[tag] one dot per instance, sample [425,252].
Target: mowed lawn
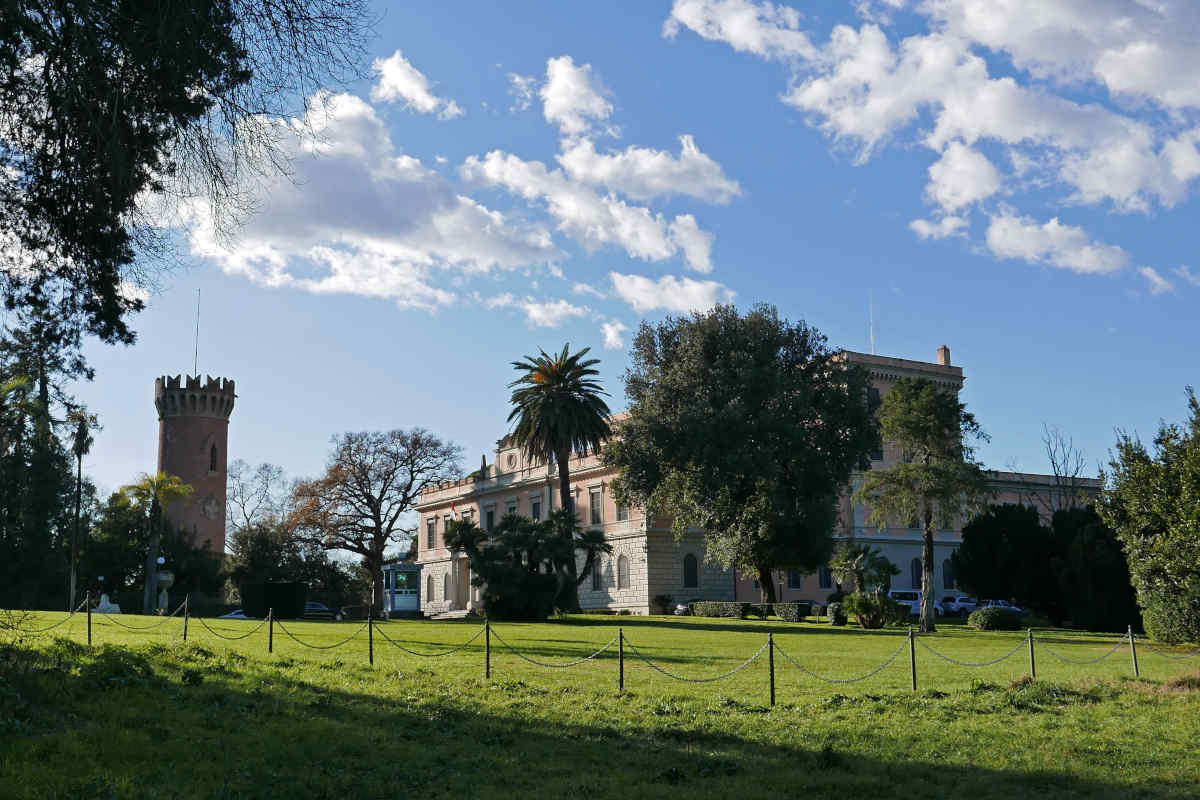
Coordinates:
[143,714]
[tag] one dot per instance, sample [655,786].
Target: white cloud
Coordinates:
[614,338]
[571,98]
[584,288]
[938,229]
[1158,284]
[523,88]
[505,300]
[550,314]
[764,29]
[1063,246]
[356,217]
[1188,275]
[961,177]
[592,219]
[669,293]
[642,173]
[401,81]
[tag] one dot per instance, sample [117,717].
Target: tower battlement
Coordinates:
[187,395]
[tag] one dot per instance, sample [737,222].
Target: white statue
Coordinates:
[106,606]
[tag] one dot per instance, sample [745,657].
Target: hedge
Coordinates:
[792,612]
[287,599]
[994,619]
[714,608]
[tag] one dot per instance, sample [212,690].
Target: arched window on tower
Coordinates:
[212,459]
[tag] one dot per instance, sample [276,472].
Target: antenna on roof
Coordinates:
[196,352]
[871,317]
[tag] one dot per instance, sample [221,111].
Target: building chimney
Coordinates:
[943,357]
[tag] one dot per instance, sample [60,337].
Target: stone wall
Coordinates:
[635,598]
[666,569]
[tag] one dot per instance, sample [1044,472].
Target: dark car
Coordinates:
[315,610]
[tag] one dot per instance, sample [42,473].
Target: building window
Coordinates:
[430,534]
[212,459]
[691,572]
[535,509]
[446,587]
[596,568]
[825,578]
[622,572]
[446,520]
[595,501]
[428,588]
[622,513]
[510,508]
[795,580]
[947,574]
[489,519]
[914,570]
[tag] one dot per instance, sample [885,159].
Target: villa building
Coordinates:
[647,560]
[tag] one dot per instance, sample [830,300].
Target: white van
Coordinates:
[912,599]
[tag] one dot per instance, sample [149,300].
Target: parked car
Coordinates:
[958,605]
[1003,605]
[912,599]
[315,610]
[235,614]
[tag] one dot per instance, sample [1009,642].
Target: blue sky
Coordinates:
[1014,180]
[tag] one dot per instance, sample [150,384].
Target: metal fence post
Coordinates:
[620,660]
[1133,652]
[487,649]
[771,663]
[186,609]
[89,615]
[912,658]
[270,630]
[371,637]
[1032,663]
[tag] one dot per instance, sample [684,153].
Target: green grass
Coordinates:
[144,715]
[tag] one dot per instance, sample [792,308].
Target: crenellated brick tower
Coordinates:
[193,437]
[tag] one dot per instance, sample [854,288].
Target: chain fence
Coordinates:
[372,626]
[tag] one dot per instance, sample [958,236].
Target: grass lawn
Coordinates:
[144,715]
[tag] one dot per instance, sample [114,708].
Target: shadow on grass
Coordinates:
[180,722]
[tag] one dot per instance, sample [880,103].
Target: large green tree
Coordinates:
[747,427]
[1093,576]
[1007,553]
[558,408]
[153,495]
[937,481]
[1151,499]
[862,566]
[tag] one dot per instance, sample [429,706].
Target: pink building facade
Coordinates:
[647,560]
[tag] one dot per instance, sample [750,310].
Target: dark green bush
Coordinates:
[836,596]
[760,610]
[994,619]
[875,609]
[792,612]
[715,608]
[285,599]
[836,613]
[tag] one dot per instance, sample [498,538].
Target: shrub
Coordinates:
[760,610]
[994,619]
[287,599]
[664,602]
[875,609]
[713,608]
[792,612]
[836,613]
[1033,619]
[836,596]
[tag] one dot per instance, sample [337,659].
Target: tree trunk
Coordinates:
[149,599]
[928,624]
[766,585]
[569,591]
[75,533]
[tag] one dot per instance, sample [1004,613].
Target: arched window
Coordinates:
[428,588]
[446,587]
[947,574]
[596,568]
[914,570]
[622,572]
[691,572]
[212,459]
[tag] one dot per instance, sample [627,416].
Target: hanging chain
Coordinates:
[945,657]
[38,631]
[292,636]
[537,663]
[462,646]
[873,672]
[256,629]
[111,619]
[659,669]
[1066,660]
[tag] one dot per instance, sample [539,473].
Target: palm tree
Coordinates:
[558,407]
[155,493]
[83,424]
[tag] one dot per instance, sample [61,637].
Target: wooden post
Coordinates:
[1032,663]
[620,660]
[89,613]
[912,658]
[487,649]
[186,597]
[371,637]
[771,663]
[1133,652]
[270,630]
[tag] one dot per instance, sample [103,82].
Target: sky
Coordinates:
[1012,178]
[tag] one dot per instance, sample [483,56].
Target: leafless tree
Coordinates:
[1067,465]
[363,502]
[254,495]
